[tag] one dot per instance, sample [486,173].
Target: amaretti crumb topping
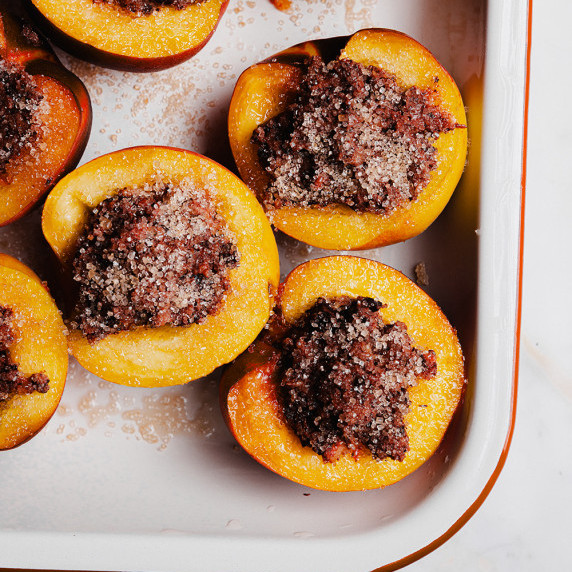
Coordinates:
[146,7]
[12,380]
[19,102]
[351,136]
[152,255]
[344,378]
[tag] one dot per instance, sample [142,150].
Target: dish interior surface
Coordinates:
[141,468]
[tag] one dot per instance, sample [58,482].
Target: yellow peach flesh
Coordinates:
[30,174]
[265,90]
[170,355]
[40,347]
[161,34]
[252,411]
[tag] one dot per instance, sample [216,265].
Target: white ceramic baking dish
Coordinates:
[125,479]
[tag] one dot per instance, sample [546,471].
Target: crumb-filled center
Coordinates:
[344,378]
[152,255]
[19,102]
[351,136]
[147,7]
[12,380]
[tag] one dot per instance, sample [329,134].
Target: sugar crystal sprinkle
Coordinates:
[351,136]
[12,380]
[146,7]
[344,378]
[152,255]
[19,102]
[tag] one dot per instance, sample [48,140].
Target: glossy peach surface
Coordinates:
[64,117]
[40,347]
[248,393]
[103,34]
[170,355]
[265,89]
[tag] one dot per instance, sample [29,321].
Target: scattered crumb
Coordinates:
[421,276]
[282,5]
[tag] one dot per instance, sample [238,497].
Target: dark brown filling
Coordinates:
[152,256]
[146,7]
[12,381]
[19,101]
[345,376]
[351,136]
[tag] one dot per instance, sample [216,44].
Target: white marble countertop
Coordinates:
[524,525]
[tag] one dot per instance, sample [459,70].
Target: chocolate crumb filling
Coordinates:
[19,101]
[12,381]
[351,136]
[152,255]
[344,378]
[146,7]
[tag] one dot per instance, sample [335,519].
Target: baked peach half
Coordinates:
[170,262]
[140,35]
[33,354]
[354,383]
[46,118]
[350,143]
